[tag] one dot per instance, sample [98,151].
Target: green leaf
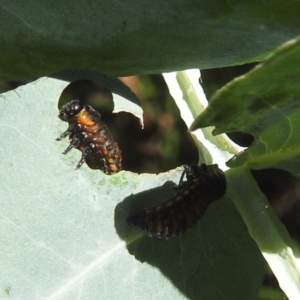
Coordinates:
[264,103]
[63,231]
[117,38]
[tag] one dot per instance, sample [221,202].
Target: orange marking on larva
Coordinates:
[179,199]
[110,160]
[159,226]
[99,140]
[158,208]
[169,204]
[186,193]
[84,118]
[113,168]
[192,187]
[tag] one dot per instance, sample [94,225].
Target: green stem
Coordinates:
[197,104]
[185,88]
[264,227]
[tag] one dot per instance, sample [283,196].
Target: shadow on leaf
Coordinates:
[205,261]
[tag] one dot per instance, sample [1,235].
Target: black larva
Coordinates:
[204,184]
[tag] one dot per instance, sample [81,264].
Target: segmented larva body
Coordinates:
[204,184]
[90,135]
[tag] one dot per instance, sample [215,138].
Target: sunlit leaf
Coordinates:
[64,233]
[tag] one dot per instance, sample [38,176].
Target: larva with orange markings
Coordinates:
[90,135]
[204,184]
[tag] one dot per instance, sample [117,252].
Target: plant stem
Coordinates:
[264,227]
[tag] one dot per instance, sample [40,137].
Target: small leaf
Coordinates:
[264,103]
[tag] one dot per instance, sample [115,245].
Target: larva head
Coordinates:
[70,110]
[217,180]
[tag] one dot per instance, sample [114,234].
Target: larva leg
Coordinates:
[74,144]
[63,135]
[66,133]
[181,184]
[86,151]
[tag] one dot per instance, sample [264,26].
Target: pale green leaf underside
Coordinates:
[58,226]
[121,38]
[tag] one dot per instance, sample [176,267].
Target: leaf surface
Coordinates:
[64,233]
[265,103]
[118,38]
